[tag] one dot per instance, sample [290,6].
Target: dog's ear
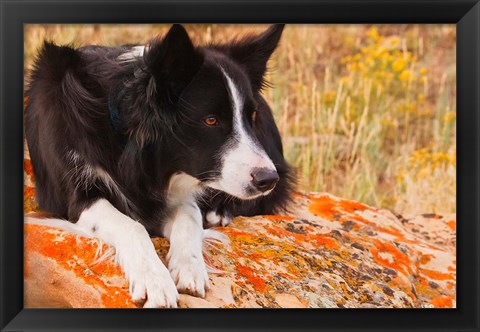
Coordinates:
[173,60]
[253,53]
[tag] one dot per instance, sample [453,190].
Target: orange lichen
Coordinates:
[421,280]
[117,298]
[286,275]
[327,242]
[443,301]
[250,276]
[437,275]
[323,206]
[28,191]
[399,236]
[338,210]
[344,288]
[255,255]
[269,253]
[302,239]
[356,227]
[452,224]
[27,167]
[362,220]
[399,261]
[425,291]
[392,231]
[425,258]
[280,232]
[293,270]
[65,250]
[352,206]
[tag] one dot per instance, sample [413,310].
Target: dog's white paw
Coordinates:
[215,219]
[189,272]
[153,283]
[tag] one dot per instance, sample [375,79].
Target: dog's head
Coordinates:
[213,95]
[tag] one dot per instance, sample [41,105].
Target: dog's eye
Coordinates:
[211,121]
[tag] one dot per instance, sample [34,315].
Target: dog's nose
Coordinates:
[264,179]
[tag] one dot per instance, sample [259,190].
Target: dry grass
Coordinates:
[367,113]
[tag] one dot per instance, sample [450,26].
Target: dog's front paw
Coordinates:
[189,273]
[153,282]
[213,218]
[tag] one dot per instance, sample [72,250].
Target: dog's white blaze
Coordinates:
[182,188]
[132,54]
[242,155]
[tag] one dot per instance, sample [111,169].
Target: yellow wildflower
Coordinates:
[411,108]
[405,75]
[369,60]
[352,66]
[423,173]
[427,112]
[362,67]
[350,41]
[449,117]
[401,177]
[394,41]
[373,33]
[330,96]
[398,65]
[346,59]
[344,79]
[380,51]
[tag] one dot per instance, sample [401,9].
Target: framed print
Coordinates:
[240,166]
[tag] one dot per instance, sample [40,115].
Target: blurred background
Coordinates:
[366,112]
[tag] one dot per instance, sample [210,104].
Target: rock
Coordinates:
[289,301]
[329,253]
[60,271]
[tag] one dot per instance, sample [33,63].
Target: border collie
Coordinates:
[164,139]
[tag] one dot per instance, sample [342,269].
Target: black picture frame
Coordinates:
[464,13]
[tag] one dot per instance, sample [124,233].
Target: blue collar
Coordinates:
[113,110]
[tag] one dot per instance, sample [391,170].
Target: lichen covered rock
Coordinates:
[329,253]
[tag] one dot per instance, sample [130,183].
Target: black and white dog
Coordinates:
[161,139]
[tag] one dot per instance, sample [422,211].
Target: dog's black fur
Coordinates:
[140,122]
